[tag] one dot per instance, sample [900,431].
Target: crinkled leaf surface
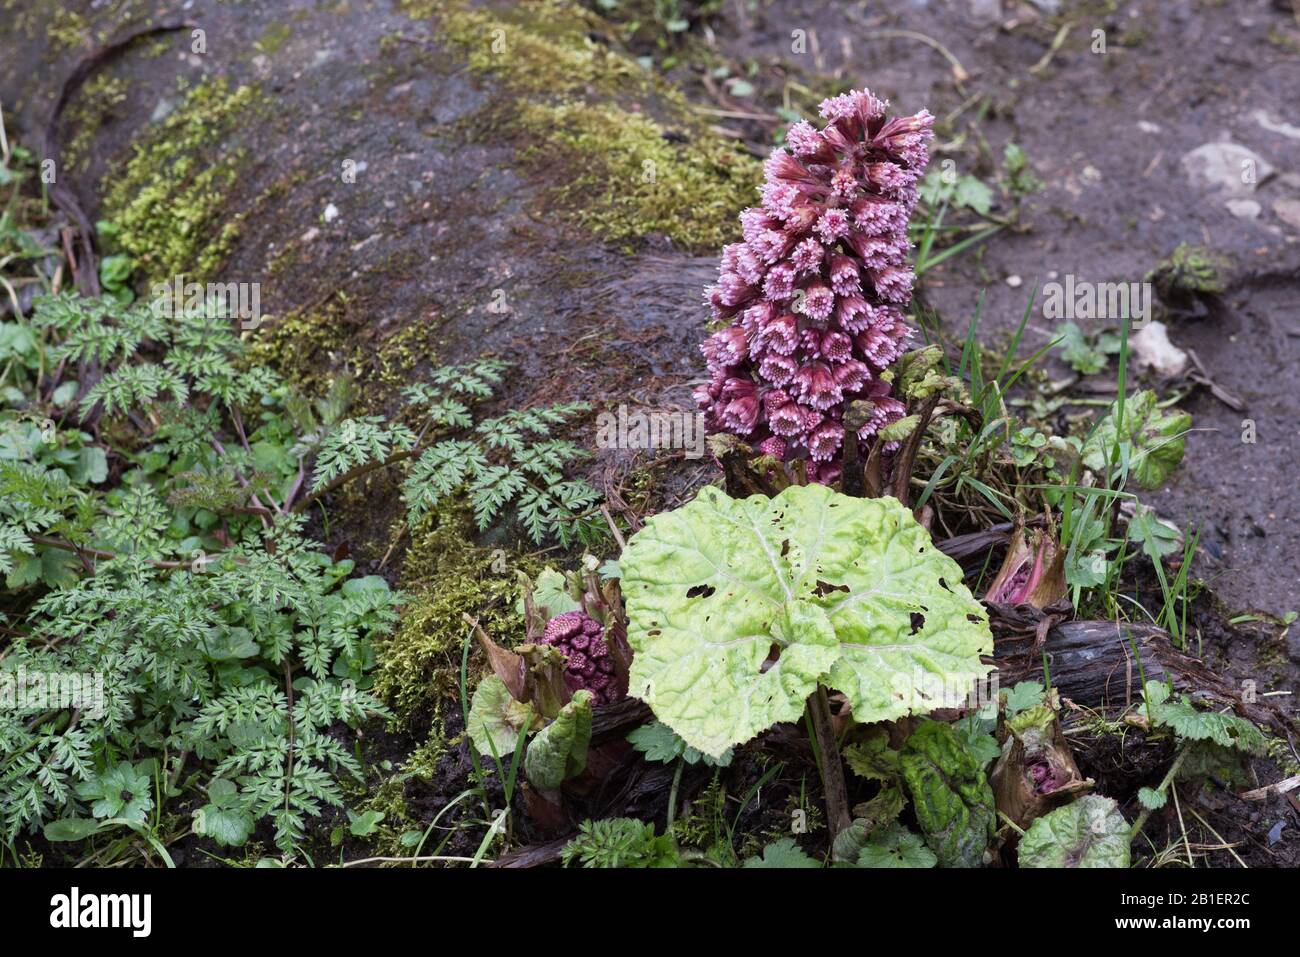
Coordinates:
[850,591]
[1155,439]
[495,718]
[559,751]
[950,793]
[1090,832]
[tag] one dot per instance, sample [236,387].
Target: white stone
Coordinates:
[1244,208]
[1225,167]
[1288,210]
[1151,349]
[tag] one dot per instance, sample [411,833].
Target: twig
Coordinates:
[1281,787]
[609,519]
[959,74]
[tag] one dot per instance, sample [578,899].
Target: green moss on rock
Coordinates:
[447,576]
[625,154]
[627,179]
[170,199]
[95,103]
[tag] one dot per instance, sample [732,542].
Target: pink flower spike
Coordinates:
[813,297]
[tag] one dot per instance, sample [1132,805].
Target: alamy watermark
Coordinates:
[651,429]
[1079,299]
[37,691]
[228,300]
[924,691]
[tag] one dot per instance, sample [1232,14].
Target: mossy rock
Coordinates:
[169,200]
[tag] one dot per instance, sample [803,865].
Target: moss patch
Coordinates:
[96,102]
[447,576]
[303,345]
[582,113]
[68,29]
[629,179]
[170,198]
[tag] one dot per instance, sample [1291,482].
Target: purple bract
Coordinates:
[582,641]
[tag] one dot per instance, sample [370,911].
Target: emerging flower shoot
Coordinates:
[815,293]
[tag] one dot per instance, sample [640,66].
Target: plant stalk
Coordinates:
[832,768]
[1164,787]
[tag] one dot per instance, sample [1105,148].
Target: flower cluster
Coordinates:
[815,292]
[582,641]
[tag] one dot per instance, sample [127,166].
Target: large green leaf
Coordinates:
[560,749]
[1089,832]
[1152,439]
[850,591]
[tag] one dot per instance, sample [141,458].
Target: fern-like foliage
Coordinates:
[356,442]
[619,842]
[511,459]
[199,346]
[199,659]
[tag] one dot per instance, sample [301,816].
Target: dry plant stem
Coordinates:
[837,795]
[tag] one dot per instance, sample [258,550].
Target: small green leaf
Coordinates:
[365,824]
[1151,799]
[71,829]
[1157,538]
[895,846]
[1154,439]
[782,853]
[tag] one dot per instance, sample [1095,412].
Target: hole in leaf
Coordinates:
[700,591]
[973,619]
[825,588]
[785,547]
[918,621]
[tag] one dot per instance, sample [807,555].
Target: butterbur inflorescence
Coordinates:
[582,641]
[815,292]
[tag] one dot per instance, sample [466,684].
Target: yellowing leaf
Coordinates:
[849,592]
